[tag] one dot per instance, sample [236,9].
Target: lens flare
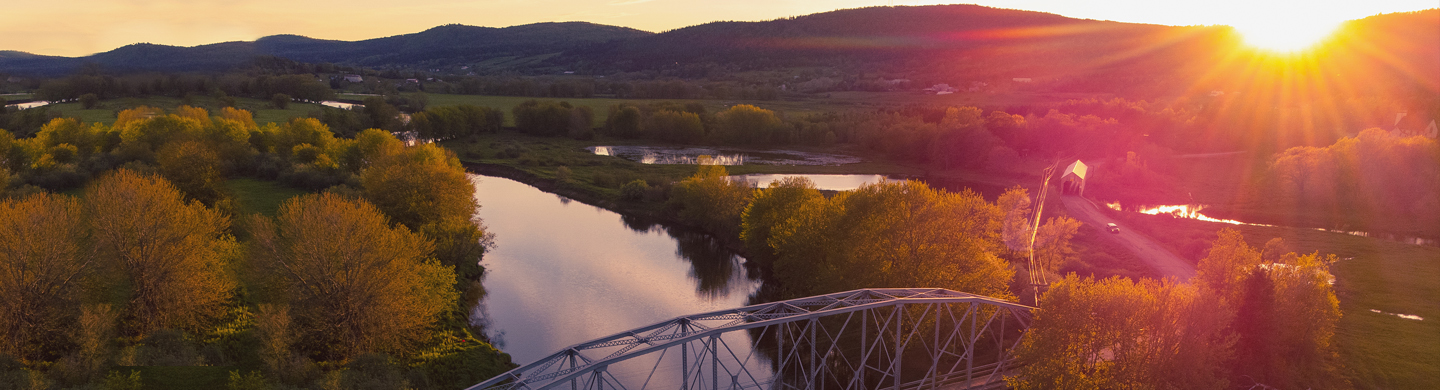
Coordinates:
[1286,35]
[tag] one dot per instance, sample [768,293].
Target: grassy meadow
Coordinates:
[813,104]
[262,197]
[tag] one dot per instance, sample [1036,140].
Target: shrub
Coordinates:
[634,190]
[89,100]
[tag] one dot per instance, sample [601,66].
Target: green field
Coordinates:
[107,110]
[260,196]
[830,102]
[1381,351]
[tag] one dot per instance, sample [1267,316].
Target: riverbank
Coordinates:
[641,212]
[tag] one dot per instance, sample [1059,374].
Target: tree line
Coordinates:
[888,234]
[152,264]
[1374,180]
[1252,317]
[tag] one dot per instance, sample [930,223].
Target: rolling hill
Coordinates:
[946,43]
[443,44]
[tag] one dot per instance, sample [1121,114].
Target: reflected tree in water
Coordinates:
[715,269]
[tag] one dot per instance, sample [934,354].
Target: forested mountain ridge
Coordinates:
[440,45]
[964,45]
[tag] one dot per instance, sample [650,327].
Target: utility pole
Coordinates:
[1037,274]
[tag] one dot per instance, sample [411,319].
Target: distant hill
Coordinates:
[954,42]
[439,45]
[946,43]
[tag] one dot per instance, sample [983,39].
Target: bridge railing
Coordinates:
[902,339]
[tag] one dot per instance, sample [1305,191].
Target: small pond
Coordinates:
[717,156]
[26,105]
[340,105]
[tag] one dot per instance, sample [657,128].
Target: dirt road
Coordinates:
[1164,262]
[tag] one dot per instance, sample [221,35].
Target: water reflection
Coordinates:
[689,155]
[26,105]
[715,269]
[1193,212]
[561,274]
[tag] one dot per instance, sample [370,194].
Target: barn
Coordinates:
[1072,181]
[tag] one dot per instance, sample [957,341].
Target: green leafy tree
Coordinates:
[675,126]
[771,207]
[89,101]
[711,200]
[623,122]
[892,234]
[747,124]
[546,118]
[280,101]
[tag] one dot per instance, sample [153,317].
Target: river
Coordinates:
[563,272]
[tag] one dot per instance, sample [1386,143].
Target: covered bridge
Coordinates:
[1072,181]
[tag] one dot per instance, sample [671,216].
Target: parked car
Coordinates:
[1111,227]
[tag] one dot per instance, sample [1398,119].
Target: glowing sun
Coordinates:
[1286,35]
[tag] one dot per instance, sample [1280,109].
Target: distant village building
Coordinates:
[1021,79]
[941,89]
[1216,93]
[354,78]
[1412,125]
[1072,182]
[412,81]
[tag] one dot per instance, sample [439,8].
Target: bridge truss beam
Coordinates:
[901,339]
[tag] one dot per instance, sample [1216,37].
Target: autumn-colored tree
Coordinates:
[1115,333]
[1052,243]
[86,139]
[242,117]
[444,211]
[1229,260]
[1288,314]
[770,207]
[394,182]
[166,254]
[300,131]
[194,169]
[42,261]
[1015,226]
[354,283]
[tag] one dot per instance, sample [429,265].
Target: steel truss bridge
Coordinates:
[901,339]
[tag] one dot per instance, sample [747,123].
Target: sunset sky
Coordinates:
[82,27]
